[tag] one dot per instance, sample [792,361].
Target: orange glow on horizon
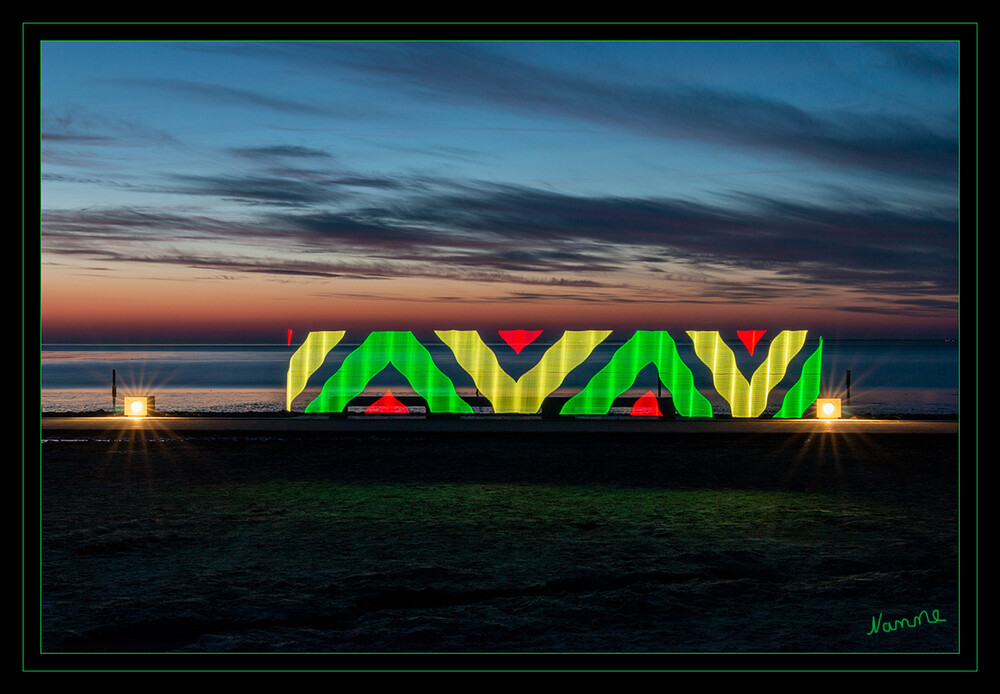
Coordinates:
[189,306]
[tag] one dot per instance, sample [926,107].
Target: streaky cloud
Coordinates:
[218,93]
[279,151]
[919,60]
[474,73]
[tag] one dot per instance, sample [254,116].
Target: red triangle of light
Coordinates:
[750,338]
[519,339]
[647,406]
[387,404]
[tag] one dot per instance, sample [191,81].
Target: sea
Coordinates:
[872,377]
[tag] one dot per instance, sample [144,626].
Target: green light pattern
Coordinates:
[805,391]
[379,350]
[307,358]
[746,399]
[643,348]
[525,395]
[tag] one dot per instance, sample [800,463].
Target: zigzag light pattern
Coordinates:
[746,399]
[644,347]
[525,395]
[379,350]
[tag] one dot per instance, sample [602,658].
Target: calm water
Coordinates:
[892,376]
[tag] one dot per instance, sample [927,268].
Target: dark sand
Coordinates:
[633,547]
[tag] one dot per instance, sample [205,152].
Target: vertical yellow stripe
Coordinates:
[307,359]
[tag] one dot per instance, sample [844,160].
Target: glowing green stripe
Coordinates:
[643,348]
[379,350]
[805,391]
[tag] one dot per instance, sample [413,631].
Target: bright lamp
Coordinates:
[138,405]
[828,408]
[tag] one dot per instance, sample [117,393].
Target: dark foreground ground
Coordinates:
[642,551]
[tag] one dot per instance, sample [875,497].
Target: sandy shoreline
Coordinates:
[895,464]
[528,425]
[164,539]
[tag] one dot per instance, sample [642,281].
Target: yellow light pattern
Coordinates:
[525,395]
[307,358]
[746,399]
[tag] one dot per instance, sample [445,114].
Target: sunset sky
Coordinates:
[227,191]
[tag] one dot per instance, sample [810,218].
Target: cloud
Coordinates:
[468,73]
[79,126]
[916,308]
[217,93]
[814,240]
[77,138]
[257,189]
[279,152]
[920,60]
[514,234]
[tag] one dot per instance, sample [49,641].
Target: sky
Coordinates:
[197,191]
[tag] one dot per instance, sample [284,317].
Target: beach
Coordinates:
[160,539]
